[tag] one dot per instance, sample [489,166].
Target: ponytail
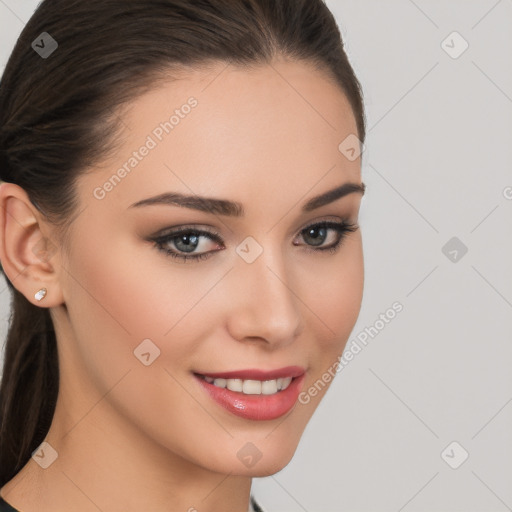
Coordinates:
[29,386]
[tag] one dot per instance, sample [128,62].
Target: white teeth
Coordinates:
[221,383]
[268,387]
[235,385]
[286,382]
[251,387]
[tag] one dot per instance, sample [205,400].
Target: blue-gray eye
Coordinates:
[186,240]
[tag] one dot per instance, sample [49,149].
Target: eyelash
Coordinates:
[342,228]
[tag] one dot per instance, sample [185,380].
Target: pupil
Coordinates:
[316,240]
[190,241]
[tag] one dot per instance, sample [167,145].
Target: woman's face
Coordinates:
[138,324]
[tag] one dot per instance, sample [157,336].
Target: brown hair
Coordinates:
[57,118]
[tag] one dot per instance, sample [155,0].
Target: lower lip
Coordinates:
[255,407]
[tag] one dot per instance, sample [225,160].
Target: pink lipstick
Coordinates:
[254,394]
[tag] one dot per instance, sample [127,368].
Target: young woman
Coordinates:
[179,231]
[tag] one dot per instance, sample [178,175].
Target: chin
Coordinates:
[270,467]
[268,457]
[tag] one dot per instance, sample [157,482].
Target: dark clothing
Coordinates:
[5,507]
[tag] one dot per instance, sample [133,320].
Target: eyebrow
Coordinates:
[235,209]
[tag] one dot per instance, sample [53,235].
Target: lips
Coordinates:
[254,394]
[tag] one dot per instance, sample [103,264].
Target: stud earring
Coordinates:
[40,294]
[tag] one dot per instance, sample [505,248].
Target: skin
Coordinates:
[131,437]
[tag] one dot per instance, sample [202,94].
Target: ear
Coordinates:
[27,253]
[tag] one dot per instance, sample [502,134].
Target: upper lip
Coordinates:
[256,374]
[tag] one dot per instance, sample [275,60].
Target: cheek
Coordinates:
[336,303]
[349,292]
[334,293]
[120,295]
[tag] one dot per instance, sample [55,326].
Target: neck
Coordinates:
[105,463]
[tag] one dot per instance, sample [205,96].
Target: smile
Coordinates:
[254,394]
[250,386]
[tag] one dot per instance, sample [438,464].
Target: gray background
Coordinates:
[437,165]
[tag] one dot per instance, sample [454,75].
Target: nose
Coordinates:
[263,304]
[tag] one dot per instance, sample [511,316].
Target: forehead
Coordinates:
[221,129]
